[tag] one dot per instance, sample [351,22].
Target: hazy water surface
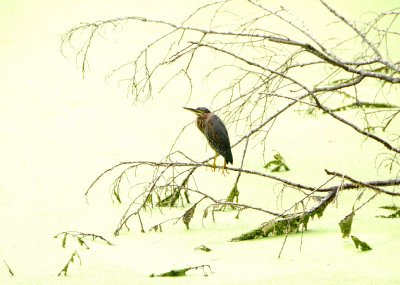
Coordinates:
[58,132]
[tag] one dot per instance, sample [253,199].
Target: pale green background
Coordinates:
[59,131]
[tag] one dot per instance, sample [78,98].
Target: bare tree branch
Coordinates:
[265,81]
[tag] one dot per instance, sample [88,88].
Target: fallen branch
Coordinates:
[290,223]
[182,272]
[8,268]
[375,183]
[80,237]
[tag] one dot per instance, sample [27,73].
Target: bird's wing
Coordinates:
[217,136]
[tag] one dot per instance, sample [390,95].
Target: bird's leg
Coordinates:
[224,168]
[215,161]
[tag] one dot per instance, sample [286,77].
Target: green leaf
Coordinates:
[203,248]
[395,214]
[170,200]
[393,208]
[81,242]
[345,225]
[186,193]
[154,228]
[64,240]
[278,164]
[172,273]
[181,272]
[115,188]
[234,194]
[270,163]
[358,243]
[391,216]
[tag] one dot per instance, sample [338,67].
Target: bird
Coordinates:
[216,133]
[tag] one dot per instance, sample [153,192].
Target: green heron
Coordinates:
[215,131]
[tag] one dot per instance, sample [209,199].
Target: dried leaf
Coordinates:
[155,228]
[187,217]
[205,214]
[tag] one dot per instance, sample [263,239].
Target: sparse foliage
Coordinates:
[82,240]
[72,259]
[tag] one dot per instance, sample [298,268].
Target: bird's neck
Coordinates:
[200,123]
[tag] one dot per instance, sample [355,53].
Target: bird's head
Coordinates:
[200,111]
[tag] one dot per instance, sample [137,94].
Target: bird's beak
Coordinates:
[192,110]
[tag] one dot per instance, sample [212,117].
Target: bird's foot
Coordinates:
[213,167]
[224,169]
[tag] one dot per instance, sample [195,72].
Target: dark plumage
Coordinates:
[215,131]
